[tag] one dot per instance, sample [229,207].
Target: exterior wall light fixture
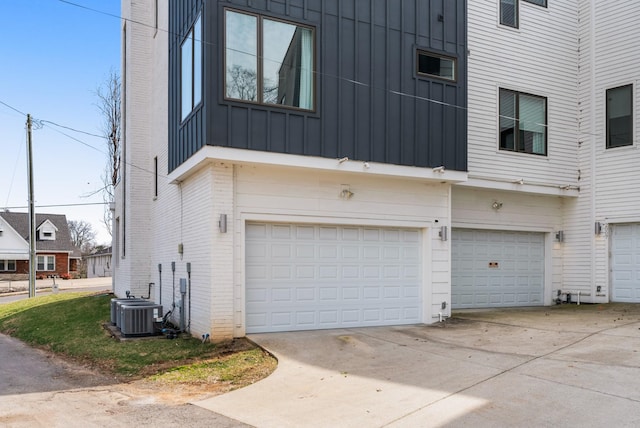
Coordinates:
[444,233]
[222,223]
[598,228]
[560,236]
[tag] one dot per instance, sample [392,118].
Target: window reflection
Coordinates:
[241,57]
[285,73]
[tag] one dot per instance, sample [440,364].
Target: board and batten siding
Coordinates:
[539,58]
[370,104]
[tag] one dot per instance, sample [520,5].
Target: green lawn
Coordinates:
[71,325]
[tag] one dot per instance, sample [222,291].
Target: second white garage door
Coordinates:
[494,268]
[306,277]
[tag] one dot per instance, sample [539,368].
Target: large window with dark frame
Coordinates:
[620,116]
[523,122]
[509,13]
[268,61]
[191,69]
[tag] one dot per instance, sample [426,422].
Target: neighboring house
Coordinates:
[99,263]
[338,164]
[54,252]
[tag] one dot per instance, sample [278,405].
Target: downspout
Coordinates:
[592,129]
[160,281]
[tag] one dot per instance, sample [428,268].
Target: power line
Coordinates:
[13,108]
[58,205]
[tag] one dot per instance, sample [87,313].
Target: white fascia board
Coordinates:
[522,186]
[251,157]
[13,255]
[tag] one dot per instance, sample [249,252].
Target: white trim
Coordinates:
[13,256]
[567,190]
[210,154]
[501,227]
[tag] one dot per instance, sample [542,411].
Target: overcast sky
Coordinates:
[54,57]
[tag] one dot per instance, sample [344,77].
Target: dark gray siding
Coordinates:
[370,103]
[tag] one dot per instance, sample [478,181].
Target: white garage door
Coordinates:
[625,263]
[306,277]
[493,268]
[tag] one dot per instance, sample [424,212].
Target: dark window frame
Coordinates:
[259,65]
[516,5]
[541,3]
[195,43]
[517,135]
[425,52]
[629,141]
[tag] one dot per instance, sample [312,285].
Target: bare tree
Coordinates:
[242,83]
[82,235]
[109,104]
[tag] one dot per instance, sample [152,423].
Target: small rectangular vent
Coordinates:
[138,320]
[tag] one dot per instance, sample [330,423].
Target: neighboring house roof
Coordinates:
[20,223]
[102,252]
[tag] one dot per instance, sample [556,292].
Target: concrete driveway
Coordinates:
[558,366]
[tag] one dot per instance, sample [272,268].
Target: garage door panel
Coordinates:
[316,276]
[496,268]
[303,251]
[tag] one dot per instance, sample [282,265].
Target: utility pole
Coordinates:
[32,216]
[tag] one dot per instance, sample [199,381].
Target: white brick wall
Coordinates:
[131,207]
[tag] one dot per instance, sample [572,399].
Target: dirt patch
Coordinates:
[149,384]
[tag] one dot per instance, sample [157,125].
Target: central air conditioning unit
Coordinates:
[139,320]
[115,307]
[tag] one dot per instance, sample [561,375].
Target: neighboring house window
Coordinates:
[538,2]
[439,66]
[191,62]
[46,263]
[268,61]
[509,13]
[47,232]
[523,122]
[620,116]
[7,265]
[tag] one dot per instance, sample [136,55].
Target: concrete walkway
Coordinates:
[562,366]
[63,284]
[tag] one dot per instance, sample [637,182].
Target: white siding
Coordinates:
[539,58]
[610,42]
[617,62]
